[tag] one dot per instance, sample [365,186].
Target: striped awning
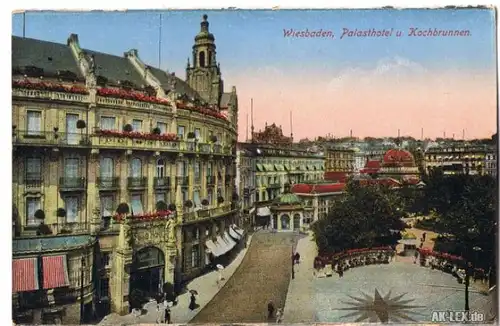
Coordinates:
[212,247]
[234,234]
[230,242]
[259,168]
[55,272]
[25,275]
[223,246]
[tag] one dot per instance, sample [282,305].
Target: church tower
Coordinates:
[204,75]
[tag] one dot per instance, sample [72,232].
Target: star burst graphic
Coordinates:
[381,309]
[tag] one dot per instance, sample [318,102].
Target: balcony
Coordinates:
[33,181]
[204,148]
[210,180]
[137,182]
[274,185]
[162,182]
[206,213]
[56,229]
[108,183]
[50,95]
[49,138]
[125,103]
[217,149]
[197,179]
[182,181]
[71,184]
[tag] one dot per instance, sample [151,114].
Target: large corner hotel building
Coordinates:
[122,173]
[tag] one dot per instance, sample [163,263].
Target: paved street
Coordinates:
[206,285]
[263,275]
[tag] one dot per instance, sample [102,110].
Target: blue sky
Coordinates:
[250,39]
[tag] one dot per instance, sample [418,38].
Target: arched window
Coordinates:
[160,168]
[209,58]
[201,59]
[136,168]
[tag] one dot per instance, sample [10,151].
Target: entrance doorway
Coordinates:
[146,278]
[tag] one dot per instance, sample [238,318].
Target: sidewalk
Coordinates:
[206,286]
[299,300]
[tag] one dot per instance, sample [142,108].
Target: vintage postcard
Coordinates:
[254,166]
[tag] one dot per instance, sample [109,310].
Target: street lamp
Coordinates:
[293,264]
[82,303]
[468,267]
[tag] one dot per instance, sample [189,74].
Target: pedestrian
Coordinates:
[158,314]
[270,309]
[297,258]
[279,315]
[416,256]
[166,316]
[424,235]
[192,304]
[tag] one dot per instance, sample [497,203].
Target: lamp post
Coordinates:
[82,303]
[293,264]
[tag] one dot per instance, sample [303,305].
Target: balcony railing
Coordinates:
[57,228]
[33,182]
[137,182]
[108,183]
[274,185]
[162,182]
[112,141]
[133,104]
[182,181]
[71,183]
[197,179]
[50,95]
[51,138]
[206,213]
[210,180]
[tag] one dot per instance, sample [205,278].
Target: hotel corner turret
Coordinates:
[123,176]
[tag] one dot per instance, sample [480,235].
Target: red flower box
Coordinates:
[136,135]
[130,95]
[44,86]
[203,110]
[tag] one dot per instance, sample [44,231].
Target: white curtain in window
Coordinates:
[106,167]
[196,198]
[108,123]
[136,203]
[194,256]
[136,168]
[197,169]
[184,196]
[180,169]
[32,205]
[162,126]
[72,131]
[180,132]
[71,209]
[34,122]
[71,167]
[106,206]
[137,125]
[209,196]
[197,134]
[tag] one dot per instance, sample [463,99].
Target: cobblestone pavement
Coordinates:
[263,275]
[206,286]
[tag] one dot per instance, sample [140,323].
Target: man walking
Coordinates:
[166,317]
[270,310]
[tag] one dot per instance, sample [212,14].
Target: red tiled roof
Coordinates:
[336,176]
[386,182]
[372,164]
[303,188]
[398,156]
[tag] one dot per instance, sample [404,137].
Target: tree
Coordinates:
[366,217]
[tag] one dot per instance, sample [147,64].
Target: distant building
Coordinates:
[318,198]
[245,182]
[287,212]
[339,164]
[400,165]
[465,159]
[490,163]
[272,134]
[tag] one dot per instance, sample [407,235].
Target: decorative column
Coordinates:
[150,174]
[122,259]
[93,199]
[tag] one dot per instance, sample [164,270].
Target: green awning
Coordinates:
[260,168]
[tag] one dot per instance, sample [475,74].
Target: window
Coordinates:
[136,203]
[196,198]
[137,125]
[135,168]
[32,205]
[180,132]
[71,205]
[210,196]
[202,59]
[160,168]
[106,168]
[71,166]
[197,171]
[195,256]
[197,134]
[162,126]
[106,206]
[34,119]
[33,169]
[184,196]
[104,289]
[108,123]
[196,234]
[209,169]
[105,259]
[160,196]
